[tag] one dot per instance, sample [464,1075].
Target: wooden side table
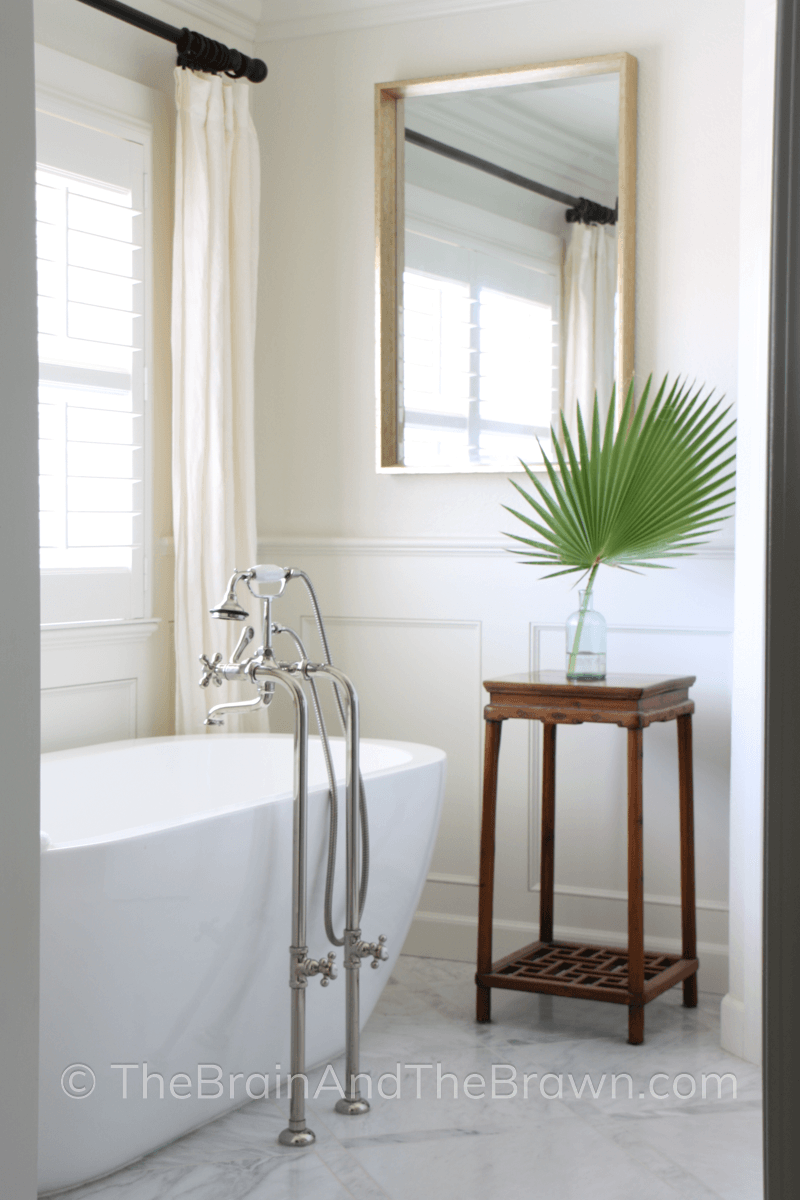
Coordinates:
[621,976]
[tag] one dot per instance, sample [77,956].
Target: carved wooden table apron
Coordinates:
[619,976]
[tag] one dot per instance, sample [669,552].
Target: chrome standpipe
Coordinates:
[352,1103]
[300,966]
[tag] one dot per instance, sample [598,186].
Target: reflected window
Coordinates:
[478,364]
[479,334]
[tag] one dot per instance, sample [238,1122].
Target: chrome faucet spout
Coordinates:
[216,714]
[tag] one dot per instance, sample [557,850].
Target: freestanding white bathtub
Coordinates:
[166,894]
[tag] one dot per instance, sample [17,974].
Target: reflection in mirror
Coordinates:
[506,296]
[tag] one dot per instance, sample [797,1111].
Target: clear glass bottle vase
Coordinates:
[586,641]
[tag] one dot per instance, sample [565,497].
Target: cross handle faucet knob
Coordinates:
[211,673]
[377,950]
[325,967]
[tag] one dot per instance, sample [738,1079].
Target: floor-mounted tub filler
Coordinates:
[173,869]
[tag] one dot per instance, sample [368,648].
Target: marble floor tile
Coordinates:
[234,1158]
[564,1160]
[718,1149]
[577,1133]
[242,1177]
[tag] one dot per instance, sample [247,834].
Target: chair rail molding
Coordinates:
[73,634]
[487,547]
[324,545]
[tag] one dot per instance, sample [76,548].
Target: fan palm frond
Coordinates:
[652,488]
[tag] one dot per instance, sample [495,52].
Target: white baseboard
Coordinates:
[443,935]
[735,1037]
[732,1025]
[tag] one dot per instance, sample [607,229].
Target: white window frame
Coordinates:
[79,92]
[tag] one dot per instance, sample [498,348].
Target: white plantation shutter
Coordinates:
[90,189]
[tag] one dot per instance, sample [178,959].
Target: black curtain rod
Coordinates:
[579,209]
[195,50]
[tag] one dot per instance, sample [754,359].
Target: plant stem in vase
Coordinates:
[586,638]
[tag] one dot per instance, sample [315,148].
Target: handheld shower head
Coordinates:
[230,609]
[267,573]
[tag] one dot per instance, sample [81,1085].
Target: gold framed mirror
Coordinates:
[505,258]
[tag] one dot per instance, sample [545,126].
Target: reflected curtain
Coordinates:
[215,259]
[590,285]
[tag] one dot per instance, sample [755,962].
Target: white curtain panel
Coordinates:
[215,260]
[590,285]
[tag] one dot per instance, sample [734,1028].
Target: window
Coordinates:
[480,345]
[90,202]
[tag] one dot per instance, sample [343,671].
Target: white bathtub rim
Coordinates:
[419,753]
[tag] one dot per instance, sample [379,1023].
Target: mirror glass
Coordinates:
[507,267]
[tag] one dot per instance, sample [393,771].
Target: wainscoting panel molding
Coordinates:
[96,633]
[274,548]
[402,698]
[705,653]
[108,709]
[419,623]
[84,666]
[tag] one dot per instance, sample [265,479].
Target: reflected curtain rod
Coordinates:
[195,50]
[579,209]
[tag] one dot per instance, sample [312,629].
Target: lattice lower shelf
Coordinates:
[579,970]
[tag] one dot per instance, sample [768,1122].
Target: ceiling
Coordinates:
[562,133]
[262,20]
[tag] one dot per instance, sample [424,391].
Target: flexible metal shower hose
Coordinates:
[333,823]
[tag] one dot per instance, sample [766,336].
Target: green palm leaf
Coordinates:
[648,488]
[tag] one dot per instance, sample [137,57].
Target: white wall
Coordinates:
[19,612]
[741,1008]
[425,604]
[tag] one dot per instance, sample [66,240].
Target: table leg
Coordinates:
[688,906]
[483,1001]
[547,851]
[635,891]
